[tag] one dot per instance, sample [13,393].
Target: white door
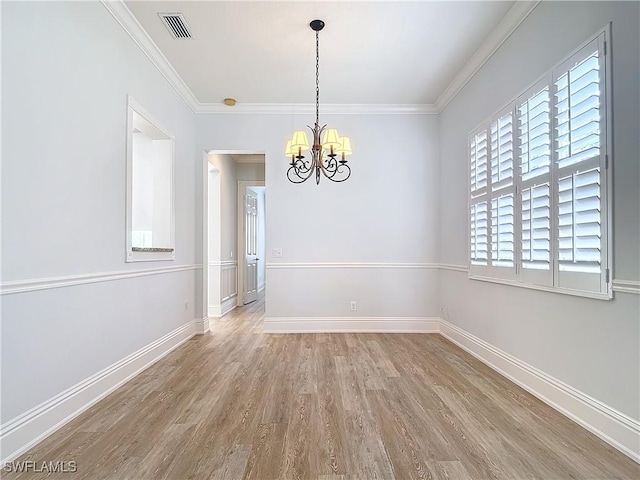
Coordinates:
[250,293]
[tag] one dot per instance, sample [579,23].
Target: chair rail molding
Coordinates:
[34,284]
[626,286]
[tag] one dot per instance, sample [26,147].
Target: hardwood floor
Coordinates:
[237,403]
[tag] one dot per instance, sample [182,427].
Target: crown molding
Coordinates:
[511,21]
[130,24]
[309,108]
[498,36]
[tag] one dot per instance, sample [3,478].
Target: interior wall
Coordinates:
[386,213]
[592,345]
[228,205]
[64,110]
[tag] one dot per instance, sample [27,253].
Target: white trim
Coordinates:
[350,324]
[276,266]
[201,325]
[493,42]
[543,288]
[619,286]
[228,304]
[224,263]
[26,430]
[130,24]
[626,286]
[498,36]
[308,108]
[454,268]
[34,284]
[612,426]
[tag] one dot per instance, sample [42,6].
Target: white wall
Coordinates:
[592,345]
[64,108]
[387,212]
[228,205]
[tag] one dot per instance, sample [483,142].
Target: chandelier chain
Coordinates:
[317,78]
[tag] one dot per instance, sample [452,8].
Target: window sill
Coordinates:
[136,254]
[151,249]
[544,288]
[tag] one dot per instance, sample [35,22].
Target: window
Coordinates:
[150,221]
[539,186]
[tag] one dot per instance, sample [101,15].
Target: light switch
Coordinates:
[277,253]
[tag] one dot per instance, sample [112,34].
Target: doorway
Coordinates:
[251,241]
[235,266]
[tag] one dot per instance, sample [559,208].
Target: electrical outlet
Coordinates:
[277,253]
[354,305]
[448,312]
[186,305]
[442,311]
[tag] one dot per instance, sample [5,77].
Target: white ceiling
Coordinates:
[247,158]
[380,52]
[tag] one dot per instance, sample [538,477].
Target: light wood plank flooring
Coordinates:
[237,403]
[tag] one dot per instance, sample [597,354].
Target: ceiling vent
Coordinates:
[176,25]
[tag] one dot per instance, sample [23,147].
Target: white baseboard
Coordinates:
[25,431]
[229,304]
[217,311]
[350,324]
[201,325]
[617,429]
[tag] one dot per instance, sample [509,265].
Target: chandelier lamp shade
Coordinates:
[327,157]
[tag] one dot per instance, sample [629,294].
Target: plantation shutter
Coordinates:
[502,231]
[479,163]
[579,111]
[534,140]
[502,193]
[479,234]
[536,227]
[478,200]
[502,152]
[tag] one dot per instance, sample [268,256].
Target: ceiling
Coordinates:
[247,158]
[380,52]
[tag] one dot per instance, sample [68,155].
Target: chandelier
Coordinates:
[327,158]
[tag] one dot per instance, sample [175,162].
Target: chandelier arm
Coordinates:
[348,172]
[330,166]
[294,170]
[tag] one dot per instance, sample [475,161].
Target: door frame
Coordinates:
[203,298]
[241,254]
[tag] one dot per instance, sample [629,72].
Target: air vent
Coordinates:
[176,25]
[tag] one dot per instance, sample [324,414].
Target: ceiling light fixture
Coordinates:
[324,156]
